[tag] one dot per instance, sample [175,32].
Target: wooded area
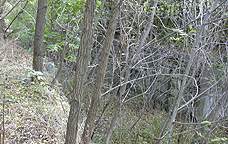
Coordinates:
[114,71]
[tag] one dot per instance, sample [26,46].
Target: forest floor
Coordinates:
[34,112]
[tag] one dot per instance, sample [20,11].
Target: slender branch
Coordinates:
[197,96]
[33,19]
[1,18]
[157,74]
[16,17]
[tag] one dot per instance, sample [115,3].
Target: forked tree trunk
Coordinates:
[81,70]
[86,136]
[39,35]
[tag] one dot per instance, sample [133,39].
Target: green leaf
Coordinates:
[192,31]
[219,139]
[177,30]
[183,34]
[199,134]
[99,3]
[206,122]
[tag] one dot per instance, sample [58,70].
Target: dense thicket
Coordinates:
[166,55]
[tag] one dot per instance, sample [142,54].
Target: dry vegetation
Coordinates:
[33,112]
[37,113]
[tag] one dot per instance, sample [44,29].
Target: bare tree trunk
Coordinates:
[112,125]
[61,59]
[81,70]
[189,65]
[39,35]
[127,72]
[86,136]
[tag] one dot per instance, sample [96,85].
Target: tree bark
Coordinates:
[39,35]
[86,136]
[80,73]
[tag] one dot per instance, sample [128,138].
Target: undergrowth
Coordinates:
[33,112]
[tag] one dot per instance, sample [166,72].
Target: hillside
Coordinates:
[33,112]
